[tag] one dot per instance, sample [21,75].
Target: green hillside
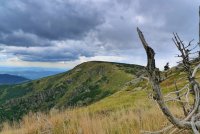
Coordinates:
[85,84]
[99,97]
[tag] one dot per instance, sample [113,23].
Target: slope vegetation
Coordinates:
[87,83]
[128,110]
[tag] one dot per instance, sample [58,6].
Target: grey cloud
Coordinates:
[20,38]
[59,51]
[93,27]
[158,19]
[48,19]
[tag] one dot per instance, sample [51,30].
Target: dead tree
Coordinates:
[166,67]
[191,121]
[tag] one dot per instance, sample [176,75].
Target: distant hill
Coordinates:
[32,73]
[11,79]
[85,84]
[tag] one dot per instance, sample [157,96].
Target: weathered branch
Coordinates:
[194,126]
[154,78]
[160,131]
[152,73]
[177,91]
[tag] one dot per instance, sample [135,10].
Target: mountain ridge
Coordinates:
[11,79]
[86,83]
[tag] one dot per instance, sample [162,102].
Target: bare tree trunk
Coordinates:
[154,78]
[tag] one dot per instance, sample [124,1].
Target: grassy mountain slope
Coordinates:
[129,110]
[85,84]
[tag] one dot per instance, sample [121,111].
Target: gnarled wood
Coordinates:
[154,77]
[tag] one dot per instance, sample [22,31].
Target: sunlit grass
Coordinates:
[123,113]
[127,111]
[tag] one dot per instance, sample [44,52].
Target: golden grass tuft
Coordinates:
[83,121]
[125,112]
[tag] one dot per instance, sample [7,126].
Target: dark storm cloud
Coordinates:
[19,38]
[61,55]
[32,29]
[45,19]
[58,51]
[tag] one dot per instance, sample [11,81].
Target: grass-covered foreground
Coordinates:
[129,109]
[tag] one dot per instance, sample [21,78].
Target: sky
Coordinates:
[65,33]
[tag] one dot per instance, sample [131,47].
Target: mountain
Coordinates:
[31,72]
[87,83]
[94,97]
[11,79]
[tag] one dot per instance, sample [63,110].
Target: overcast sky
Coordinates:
[64,33]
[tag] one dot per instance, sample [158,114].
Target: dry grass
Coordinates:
[125,112]
[83,121]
